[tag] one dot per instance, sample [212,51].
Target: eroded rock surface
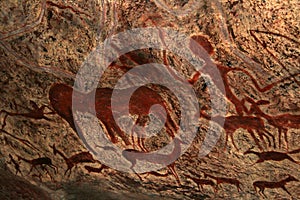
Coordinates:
[253,47]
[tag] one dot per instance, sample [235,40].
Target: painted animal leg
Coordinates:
[255,139]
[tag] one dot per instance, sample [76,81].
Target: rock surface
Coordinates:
[253,45]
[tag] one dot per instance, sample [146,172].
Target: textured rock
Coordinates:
[255,48]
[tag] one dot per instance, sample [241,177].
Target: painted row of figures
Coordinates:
[85,157]
[253,119]
[213,181]
[60,96]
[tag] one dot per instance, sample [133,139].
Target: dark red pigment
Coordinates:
[81,157]
[267,184]
[250,123]
[143,98]
[281,122]
[272,155]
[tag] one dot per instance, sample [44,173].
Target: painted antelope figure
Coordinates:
[82,157]
[35,113]
[280,184]
[272,155]
[94,169]
[39,162]
[281,122]
[221,180]
[133,155]
[200,182]
[234,122]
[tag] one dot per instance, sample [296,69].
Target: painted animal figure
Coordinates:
[94,169]
[143,98]
[221,180]
[82,157]
[219,76]
[281,122]
[133,155]
[272,155]
[35,113]
[250,123]
[280,184]
[38,162]
[201,182]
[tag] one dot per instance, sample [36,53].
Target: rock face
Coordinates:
[240,60]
